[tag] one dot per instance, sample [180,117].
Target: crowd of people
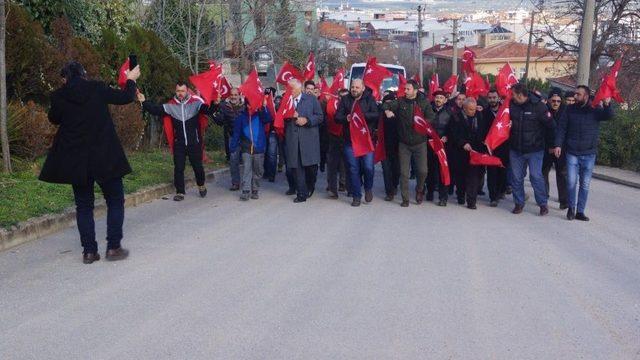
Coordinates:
[555,130]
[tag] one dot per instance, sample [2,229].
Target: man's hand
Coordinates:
[606,102]
[389,113]
[141,97]
[557,151]
[134,73]
[295,114]
[301,121]
[444,139]
[467,147]
[349,118]
[479,108]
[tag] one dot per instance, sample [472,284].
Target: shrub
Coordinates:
[30,132]
[129,124]
[620,140]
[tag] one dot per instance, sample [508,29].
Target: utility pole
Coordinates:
[4,137]
[454,59]
[526,67]
[586,42]
[420,43]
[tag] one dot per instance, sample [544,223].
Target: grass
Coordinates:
[23,196]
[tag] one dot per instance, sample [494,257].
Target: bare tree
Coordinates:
[4,137]
[616,26]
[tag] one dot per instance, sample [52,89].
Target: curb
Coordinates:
[41,226]
[616,180]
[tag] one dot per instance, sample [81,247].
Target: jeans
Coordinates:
[234,166]
[271,156]
[113,192]
[357,167]
[419,154]
[579,166]
[252,171]
[180,153]
[519,163]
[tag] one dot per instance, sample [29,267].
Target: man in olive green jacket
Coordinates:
[411,143]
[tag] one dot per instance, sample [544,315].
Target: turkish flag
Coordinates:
[271,107]
[338,82]
[122,74]
[285,111]
[421,125]
[208,83]
[468,61]
[475,86]
[310,67]
[288,72]
[252,91]
[434,85]
[480,159]
[401,83]
[505,79]
[609,86]
[360,135]
[501,127]
[225,88]
[324,87]
[332,108]
[451,84]
[373,76]
[438,149]
[417,79]
[379,153]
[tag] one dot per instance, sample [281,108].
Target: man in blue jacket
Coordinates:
[250,138]
[577,136]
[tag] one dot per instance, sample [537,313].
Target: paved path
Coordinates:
[269,279]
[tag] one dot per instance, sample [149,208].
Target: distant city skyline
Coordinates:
[441,5]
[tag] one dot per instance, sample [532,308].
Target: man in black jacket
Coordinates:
[391,163]
[184,111]
[554,103]
[577,137]
[468,133]
[362,166]
[530,120]
[86,150]
[225,115]
[496,176]
[440,122]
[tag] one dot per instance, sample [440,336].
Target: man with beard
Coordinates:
[497,177]
[411,144]
[554,103]
[440,122]
[391,163]
[358,167]
[225,116]
[468,132]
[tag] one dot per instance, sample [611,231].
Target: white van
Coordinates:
[357,71]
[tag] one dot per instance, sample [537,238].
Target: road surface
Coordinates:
[217,278]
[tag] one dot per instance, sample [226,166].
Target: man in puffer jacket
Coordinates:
[249,136]
[577,136]
[530,121]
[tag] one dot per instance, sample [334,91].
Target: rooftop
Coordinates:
[503,50]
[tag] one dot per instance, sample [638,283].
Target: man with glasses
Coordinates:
[554,103]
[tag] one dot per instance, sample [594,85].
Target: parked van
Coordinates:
[357,71]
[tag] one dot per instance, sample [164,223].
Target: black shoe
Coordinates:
[368,196]
[493,203]
[299,200]
[442,203]
[245,196]
[571,214]
[254,195]
[481,193]
[279,168]
[322,168]
[332,195]
[178,197]
[117,254]
[517,209]
[460,201]
[89,258]
[405,203]
[389,197]
[544,210]
[581,216]
[472,206]
[291,192]
[234,187]
[202,190]
[564,206]
[342,188]
[272,179]
[356,202]
[508,191]
[429,197]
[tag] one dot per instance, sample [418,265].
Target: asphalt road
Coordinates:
[268,279]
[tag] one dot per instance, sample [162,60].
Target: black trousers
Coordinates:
[560,165]
[434,181]
[473,178]
[180,154]
[336,171]
[305,178]
[497,177]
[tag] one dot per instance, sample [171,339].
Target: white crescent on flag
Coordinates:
[287,75]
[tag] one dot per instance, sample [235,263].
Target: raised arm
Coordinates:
[117,96]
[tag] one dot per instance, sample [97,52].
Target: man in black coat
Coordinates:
[184,111]
[86,150]
[468,133]
[530,121]
[554,103]
[440,122]
[391,163]
[358,167]
[497,177]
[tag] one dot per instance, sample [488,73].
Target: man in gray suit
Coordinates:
[303,140]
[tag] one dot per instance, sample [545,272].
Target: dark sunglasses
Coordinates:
[556,101]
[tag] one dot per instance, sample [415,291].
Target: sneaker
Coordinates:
[571,214]
[581,216]
[178,197]
[254,195]
[245,195]
[202,190]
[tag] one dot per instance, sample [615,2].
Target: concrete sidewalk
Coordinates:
[618,176]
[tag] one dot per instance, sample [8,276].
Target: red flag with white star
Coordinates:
[360,135]
[373,76]
[451,84]
[253,91]
[505,79]
[481,159]
[501,127]
[609,87]
[288,72]
[310,67]
[434,85]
